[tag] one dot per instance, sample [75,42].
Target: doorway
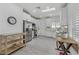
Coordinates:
[27,28]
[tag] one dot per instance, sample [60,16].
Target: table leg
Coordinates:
[66,50]
[61,45]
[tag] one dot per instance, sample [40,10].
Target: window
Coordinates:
[75,29]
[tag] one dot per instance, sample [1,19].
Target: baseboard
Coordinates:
[46,36]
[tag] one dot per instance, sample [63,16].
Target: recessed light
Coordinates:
[50,9]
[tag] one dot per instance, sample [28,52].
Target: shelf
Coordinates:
[13,48]
[11,43]
[14,41]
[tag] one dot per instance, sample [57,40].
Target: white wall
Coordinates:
[64,15]
[70,18]
[28,18]
[7,10]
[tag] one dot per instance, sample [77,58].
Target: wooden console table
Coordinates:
[11,43]
[63,44]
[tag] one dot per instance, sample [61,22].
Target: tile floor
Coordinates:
[39,46]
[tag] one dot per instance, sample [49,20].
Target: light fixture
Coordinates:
[50,9]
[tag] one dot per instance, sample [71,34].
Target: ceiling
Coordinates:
[36,8]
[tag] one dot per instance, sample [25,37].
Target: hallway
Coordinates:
[38,46]
[46,23]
